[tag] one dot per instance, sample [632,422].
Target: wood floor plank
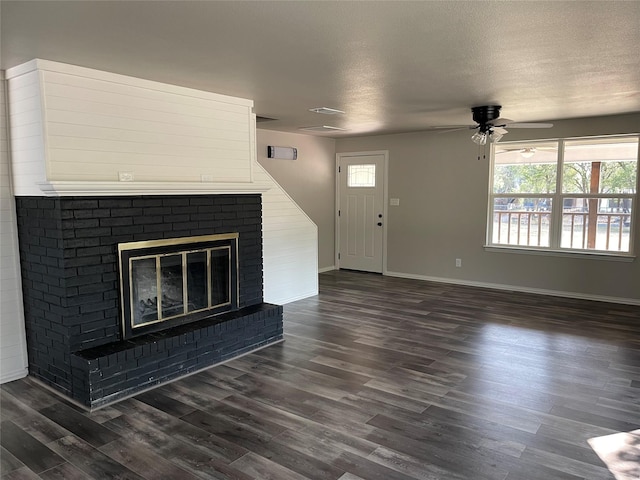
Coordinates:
[91,461]
[31,452]
[257,466]
[378,378]
[65,471]
[77,423]
[167,434]
[8,462]
[144,462]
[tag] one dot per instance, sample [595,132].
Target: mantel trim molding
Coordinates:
[75,188]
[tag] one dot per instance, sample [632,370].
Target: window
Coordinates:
[361,176]
[570,195]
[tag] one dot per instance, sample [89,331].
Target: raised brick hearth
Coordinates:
[68,248]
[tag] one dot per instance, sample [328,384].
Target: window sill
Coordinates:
[608,256]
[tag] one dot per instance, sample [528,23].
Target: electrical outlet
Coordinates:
[206,178]
[125,176]
[458,262]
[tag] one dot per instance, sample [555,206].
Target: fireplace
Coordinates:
[169,282]
[88,262]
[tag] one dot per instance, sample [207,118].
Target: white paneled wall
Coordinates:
[290,245]
[13,350]
[75,124]
[27,133]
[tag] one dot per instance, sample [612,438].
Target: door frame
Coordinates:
[385,202]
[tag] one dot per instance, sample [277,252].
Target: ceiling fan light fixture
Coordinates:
[479,138]
[495,136]
[527,152]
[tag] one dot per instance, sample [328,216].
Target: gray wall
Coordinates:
[443,191]
[309,181]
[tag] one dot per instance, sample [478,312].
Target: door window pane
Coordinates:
[361,176]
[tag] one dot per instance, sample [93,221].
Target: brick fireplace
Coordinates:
[71,285]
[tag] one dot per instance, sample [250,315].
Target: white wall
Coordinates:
[289,245]
[443,191]
[75,124]
[309,180]
[13,349]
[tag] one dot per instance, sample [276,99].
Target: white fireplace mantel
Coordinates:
[73,188]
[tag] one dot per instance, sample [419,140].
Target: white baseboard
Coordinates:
[284,301]
[326,269]
[11,376]
[516,288]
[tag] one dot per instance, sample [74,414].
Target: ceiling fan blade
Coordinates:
[500,122]
[456,129]
[461,127]
[529,125]
[500,130]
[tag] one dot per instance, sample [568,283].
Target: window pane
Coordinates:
[171,283]
[600,166]
[525,168]
[145,290]
[361,176]
[220,276]
[597,223]
[197,281]
[521,221]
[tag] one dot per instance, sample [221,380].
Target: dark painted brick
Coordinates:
[154,228]
[147,202]
[127,230]
[121,202]
[116,221]
[90,232]
[75,204]
[184,210]
[202,200]
[148,219]
[175,201]
[96,323]
[126,212]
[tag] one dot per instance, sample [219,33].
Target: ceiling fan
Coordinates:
[489,126]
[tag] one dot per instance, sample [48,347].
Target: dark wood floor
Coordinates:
[378,378]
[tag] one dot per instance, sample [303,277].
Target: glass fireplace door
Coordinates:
[176,285]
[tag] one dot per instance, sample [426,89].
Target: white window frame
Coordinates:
[557,198]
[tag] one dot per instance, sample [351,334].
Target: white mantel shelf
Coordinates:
[73,188]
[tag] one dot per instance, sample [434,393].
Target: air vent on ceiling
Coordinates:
[322,128]
[326,110]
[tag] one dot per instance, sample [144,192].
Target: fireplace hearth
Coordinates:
[74,299]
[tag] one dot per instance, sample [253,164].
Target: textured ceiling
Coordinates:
[391,66]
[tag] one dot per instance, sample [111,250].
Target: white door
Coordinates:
[361,179]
